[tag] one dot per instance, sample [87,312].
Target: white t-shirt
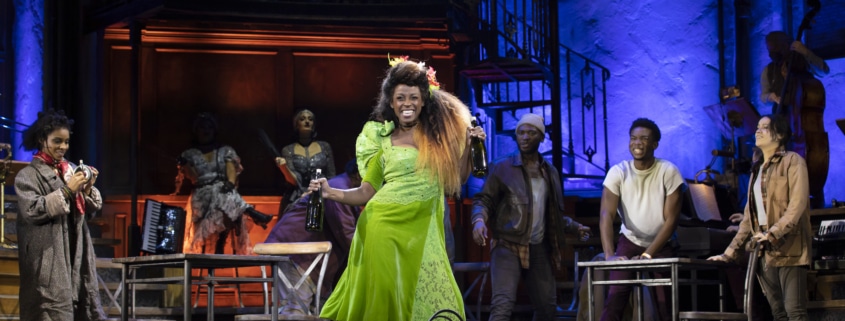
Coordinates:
[642,195]
[762,219]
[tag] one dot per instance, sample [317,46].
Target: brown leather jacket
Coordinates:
[787,213]
[505,204]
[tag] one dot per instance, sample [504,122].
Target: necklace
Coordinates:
[408,126]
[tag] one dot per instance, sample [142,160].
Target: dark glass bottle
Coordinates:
[314,211]
[478,155]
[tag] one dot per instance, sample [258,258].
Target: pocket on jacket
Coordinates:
[515,212]
[779,189]
[790,245]
[45,266]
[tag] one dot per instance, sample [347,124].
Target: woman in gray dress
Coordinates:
[300,159]
[217,209]
[58,272]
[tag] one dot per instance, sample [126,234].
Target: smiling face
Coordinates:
[407,103]
[305,122]
[57,143]
[764,136]
[642,144]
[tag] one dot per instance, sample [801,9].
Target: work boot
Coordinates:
[259,218]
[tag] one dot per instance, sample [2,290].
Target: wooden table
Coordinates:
[189,262]
[672,265]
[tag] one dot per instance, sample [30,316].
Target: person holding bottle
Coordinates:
[301,158]
[338,228]
[411,153]
[217,209]
[56,255]
[523,187]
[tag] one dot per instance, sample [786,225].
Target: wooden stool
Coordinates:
[321,249]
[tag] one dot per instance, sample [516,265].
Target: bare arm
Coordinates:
[282,164]
[231,172]
[609,205]
[358,196]
[671,212]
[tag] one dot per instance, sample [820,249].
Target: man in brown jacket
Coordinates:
[522,200]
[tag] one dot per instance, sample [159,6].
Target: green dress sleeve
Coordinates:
[369,144]
[375,171]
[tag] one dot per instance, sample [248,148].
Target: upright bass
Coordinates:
[803,100]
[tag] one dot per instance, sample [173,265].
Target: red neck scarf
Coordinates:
[64,171]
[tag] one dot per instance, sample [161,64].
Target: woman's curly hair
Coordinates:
[443,122]
[47,122]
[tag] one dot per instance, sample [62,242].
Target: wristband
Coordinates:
[646,255]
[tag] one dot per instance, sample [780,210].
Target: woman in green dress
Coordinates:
[410,153]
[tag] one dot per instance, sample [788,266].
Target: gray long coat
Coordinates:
[58,272]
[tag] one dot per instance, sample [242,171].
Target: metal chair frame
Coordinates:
[746,313]
[321,249]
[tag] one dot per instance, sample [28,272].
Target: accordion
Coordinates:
[164,228]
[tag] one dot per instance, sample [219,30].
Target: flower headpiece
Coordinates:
[433,84]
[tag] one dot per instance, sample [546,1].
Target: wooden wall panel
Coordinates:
[341,91]
[249,81]
[238,87]
[116,138]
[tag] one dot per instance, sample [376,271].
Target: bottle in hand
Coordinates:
[314,211]
[478,155]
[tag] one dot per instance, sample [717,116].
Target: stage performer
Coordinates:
[217,209]
[300,159]
[56,256]
[777,218]
[338,228]
[411,153]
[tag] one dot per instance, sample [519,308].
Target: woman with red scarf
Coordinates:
[58,273]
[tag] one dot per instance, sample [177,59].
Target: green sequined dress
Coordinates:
[398,268]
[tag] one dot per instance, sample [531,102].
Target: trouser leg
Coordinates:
[540,281]
[505,273]
[618,295]
[770,284]
[663,299]
[793,280]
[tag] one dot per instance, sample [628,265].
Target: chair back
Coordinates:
[750,274]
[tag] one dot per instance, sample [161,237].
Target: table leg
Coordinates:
[134,274]
[675,299]
[274,315]
[638,297]
[210,308]
[590,295]
[186,291]
[124,315]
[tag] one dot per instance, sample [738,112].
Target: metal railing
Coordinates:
[519,29]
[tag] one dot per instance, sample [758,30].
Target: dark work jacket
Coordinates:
[506,202]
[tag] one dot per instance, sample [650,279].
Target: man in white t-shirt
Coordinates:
[645,193]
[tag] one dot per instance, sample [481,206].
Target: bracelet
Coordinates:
[646,255]
[67,192]
[477,220]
